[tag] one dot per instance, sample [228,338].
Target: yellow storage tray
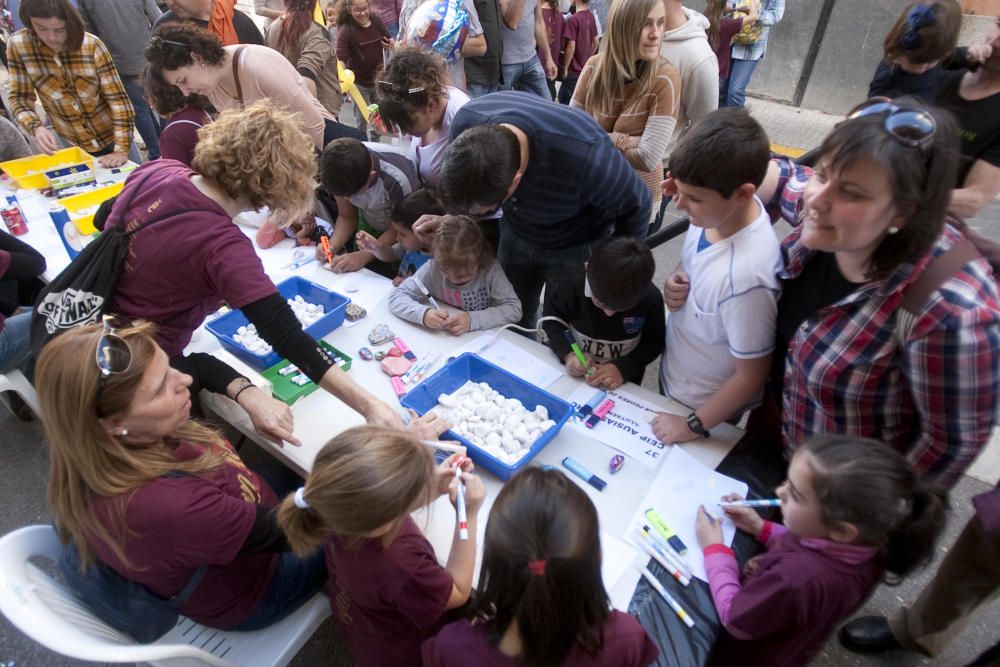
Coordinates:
[29,172]
[77,206]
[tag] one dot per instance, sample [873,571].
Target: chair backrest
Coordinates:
[15,381]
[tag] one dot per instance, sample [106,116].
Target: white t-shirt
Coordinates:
[729,313]
[428,158]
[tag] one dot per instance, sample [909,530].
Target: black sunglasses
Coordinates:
[914,128]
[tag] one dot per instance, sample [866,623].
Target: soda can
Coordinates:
[59,215]
[14,220]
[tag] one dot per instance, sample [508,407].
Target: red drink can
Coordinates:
[15,221]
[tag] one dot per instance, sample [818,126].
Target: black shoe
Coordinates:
[868,634]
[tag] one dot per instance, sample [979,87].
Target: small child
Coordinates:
[462,274]
[853,509]
[541,600]
[615,314]
[581,42]
[719,341]
[918,49]
[184,115]
[408,250]
[387,591]
[366,179]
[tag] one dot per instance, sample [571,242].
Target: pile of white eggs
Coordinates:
[501,426]
[307,314]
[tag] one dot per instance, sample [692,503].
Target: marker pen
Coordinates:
[463,520]
[667,550]
[404,348]
[663,529]
[426,292]
[770,502]
[593,402]
[600,413]
[397,386]
[575,346]
[658,587]
[581,471]
[647,544]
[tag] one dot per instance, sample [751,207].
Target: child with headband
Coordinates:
[387,590]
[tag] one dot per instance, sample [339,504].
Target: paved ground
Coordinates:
[23,460]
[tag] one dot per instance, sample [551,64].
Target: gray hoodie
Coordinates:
[687,49]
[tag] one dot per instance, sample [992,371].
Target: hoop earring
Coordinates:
[892,230]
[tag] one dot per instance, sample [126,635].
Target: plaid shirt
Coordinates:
[844,373]
[79,90]
[771,12]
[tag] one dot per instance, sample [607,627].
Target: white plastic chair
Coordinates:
[42,608]
[15,381]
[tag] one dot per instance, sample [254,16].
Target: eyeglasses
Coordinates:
[113,355]
[914,128]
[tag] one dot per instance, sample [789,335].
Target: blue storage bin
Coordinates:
[334,307]
[467,367]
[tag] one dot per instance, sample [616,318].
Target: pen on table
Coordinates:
[581,471]
[426,368]
[325,242]
[301,262]
[575,346]
[658,587]
[463,520]
[647,545]
[668,551]
[445,446]
[769,502]
[427,293]
[670,536]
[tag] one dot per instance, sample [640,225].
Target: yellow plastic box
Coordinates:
[29,172]
[84,222]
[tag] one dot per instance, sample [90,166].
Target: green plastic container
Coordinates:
[282,387]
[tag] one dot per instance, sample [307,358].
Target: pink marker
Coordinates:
[397,385]
[463,520]
[600,412]
[405,349]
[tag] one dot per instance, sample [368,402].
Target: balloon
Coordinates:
[442,25]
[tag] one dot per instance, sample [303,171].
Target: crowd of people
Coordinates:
[862,348]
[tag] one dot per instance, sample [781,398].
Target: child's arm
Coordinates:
[406,301]
[382,251]
[506,308]
[346,225]
[568,56]
[462,557]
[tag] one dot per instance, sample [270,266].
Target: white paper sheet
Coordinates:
[626,428]
[512,359]
[681,485]
[616,560]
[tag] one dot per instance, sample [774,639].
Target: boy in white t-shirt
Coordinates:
[720,339]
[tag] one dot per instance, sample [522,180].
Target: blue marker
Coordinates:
[592,403]
[581,471]
[770,502]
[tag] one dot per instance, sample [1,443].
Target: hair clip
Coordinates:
[157,42]
[396,86]
[920,16]
[537,568]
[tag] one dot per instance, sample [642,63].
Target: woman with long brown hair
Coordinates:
[138,486]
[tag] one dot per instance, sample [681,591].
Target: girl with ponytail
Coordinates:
[387,590]
[541,600]
[854,512]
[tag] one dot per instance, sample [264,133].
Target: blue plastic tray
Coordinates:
[467,367]
[334,307]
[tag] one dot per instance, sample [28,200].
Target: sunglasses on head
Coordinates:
[113,355]
[911,127]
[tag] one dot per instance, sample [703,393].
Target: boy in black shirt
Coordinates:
[615,313]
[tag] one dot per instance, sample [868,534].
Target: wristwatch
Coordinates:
[694,423]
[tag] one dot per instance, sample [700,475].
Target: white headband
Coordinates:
[300,498]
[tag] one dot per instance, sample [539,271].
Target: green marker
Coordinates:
[575,346]
[663,529]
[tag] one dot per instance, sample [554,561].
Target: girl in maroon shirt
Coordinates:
[361,41]
[387,590]
[853,509]
[541,599]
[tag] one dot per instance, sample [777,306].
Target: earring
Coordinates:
[892,230]
[123,433]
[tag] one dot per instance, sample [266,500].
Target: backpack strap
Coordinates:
[936,273]
[236,74]
[188,589]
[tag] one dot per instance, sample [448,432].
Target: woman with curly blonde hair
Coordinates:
[192,258]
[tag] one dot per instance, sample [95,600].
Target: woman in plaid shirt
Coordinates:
[76,81]
[868,220]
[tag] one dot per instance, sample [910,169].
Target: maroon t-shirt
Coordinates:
[554,26]
[185,267]
[177,524]
[387,601]
[581,28]
[727,30]
[360,49]
[626,644]
[180,135]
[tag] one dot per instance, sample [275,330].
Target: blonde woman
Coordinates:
[632,91]
[136,485]
[194,258]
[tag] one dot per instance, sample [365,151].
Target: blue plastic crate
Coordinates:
[467,367]
[334,307]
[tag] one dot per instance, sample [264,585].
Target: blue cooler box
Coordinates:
[468,366]
[334,307]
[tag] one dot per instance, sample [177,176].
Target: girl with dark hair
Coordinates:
[723,26]
[306,44]
[387,591]
[853,509]
[541,600]
[72,73]
[361,43]
[184,115]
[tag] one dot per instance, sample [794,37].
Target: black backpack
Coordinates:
[121,603]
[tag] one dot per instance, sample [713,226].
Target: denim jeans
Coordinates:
[133,150]
[393,29]
[529,266]
[733,91]
[478,89]
[145,120]
[528,76]
[295,580]
[567,89]
[15,341]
